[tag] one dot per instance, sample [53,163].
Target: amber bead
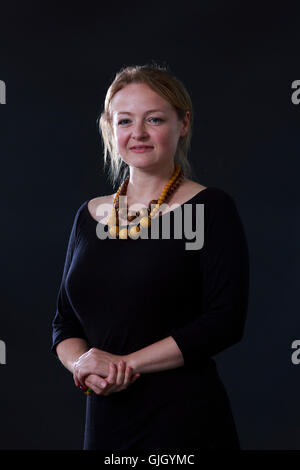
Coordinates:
[145,222]
[134,232]
[123,233]
[131,217]
[114,230]
[112,221]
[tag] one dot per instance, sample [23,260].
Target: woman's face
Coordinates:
[141,117]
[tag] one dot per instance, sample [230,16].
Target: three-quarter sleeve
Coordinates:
[221,321]
[65,323]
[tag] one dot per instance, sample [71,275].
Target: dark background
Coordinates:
[238,63]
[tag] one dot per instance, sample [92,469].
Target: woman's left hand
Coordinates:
[94,361]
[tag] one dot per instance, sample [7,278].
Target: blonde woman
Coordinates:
[140,317]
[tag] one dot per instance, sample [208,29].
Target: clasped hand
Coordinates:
[97,367]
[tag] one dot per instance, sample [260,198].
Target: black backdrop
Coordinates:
[239,63]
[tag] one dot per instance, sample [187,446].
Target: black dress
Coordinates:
[123,295]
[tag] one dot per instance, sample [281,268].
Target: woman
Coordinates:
[142,314]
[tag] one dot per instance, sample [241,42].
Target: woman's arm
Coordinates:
[66,327]
[69,350]
[220,322]
[162,355]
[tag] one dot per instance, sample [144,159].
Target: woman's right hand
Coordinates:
[119,378]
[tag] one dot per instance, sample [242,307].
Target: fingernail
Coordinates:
[103,384]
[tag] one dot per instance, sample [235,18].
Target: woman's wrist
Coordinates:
[69,351]
[130,360]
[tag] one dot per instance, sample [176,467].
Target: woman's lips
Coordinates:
[141,149]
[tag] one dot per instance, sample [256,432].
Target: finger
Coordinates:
[111,379]
[78,384]
[114,373]
[75,375]
[78,376]
[128,374]
[121,373]
[96,381]
[82,375]
[130,379]
[76,381]
[117,377]
[92,381]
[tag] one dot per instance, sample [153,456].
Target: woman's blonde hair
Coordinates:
[166,85]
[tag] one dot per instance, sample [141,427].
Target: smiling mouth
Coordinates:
[141,147]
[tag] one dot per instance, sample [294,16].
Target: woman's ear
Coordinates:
[185,124]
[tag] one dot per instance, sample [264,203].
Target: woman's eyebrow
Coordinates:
[146,112]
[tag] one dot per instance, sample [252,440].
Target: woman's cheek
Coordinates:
[166,141]
[121,141]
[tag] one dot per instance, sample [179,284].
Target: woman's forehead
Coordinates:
[132,99]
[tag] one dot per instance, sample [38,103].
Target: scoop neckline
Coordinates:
[178,207]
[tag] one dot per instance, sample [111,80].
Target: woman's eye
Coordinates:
[122,120]
[161,120]
[157,119]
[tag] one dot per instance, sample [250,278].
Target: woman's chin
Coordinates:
[141,162]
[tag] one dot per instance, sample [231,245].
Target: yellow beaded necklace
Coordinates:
[145,213]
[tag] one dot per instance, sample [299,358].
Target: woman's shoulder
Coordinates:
[99,204]
[189,185]
[220,206]
[186,191]
[96,201]
[218,202]
[210,194]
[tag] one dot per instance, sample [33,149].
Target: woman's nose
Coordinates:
[139,130]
